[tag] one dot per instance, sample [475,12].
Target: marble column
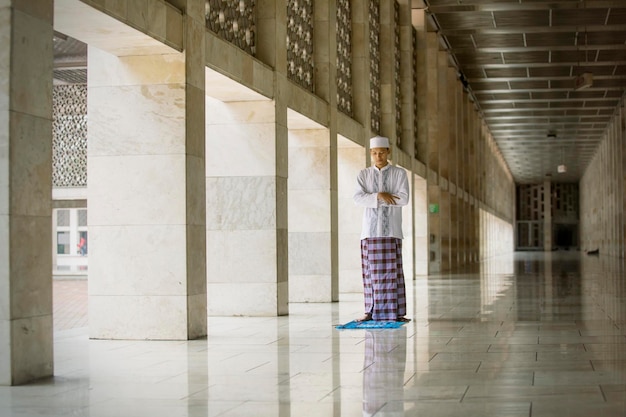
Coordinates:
[26,36]
[420,225]
[309,216]
[432,158]
[351,160]
[146,185]
[247,247]
[547,215]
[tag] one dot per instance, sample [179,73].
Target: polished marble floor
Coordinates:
[530,335]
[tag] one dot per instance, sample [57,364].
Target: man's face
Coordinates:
[379,156]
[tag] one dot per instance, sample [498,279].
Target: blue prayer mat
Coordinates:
[371,324]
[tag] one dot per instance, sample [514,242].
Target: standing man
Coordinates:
[382,189]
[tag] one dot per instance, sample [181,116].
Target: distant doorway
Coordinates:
[565,236]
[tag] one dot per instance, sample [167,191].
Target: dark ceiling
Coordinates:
[521,60]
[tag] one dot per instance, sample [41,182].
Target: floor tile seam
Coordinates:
[464,394]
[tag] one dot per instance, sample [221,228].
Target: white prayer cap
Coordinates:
[379,142]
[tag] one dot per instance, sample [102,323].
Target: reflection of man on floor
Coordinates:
[382,189]
[383,376]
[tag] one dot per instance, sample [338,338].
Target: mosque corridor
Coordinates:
[531,335]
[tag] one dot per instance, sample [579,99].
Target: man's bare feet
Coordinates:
[367,317]
[403,319]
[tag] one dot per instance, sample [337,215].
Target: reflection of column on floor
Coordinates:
[246,209]
[383,374]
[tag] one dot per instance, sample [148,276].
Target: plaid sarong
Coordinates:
[383,278]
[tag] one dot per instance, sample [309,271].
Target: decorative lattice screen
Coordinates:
[344,57]
[374,42]
[300,64]
[396,72]
[69,135]
[233,21]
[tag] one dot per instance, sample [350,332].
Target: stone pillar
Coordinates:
[432,158]
[445,120]
[420,225]
[619,129]
[247,210]
[387,73]
[146,191]
[547,215]
[25,191]
[247,171]
[310,266]
[456,97]
[351,159]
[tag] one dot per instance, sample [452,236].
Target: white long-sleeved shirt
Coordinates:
[381,219]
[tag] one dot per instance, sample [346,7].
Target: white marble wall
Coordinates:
[25,198]
[420,201]
[407,232]
[351,159]
[245,237]
[309,216]
[142,284]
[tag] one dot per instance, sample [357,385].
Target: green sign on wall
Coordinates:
[433,208]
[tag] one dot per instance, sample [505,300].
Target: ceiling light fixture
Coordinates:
[561,169]
[584,80]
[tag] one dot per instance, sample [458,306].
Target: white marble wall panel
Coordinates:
[309,215]
[351,159]
[350,279]
[241,151]
[136,120]
[309,288]
[309,254]
[138,189]
[308,138]
[420,219]
[407,232]
[241,203]
[240,139]
[309,168]
[241,257]
[239,113]
[133,122]
[150,260]
[252,299]
[244,232]
[134,70]
[151,316]
[309,210]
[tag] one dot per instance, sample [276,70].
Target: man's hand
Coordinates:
[388,198]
